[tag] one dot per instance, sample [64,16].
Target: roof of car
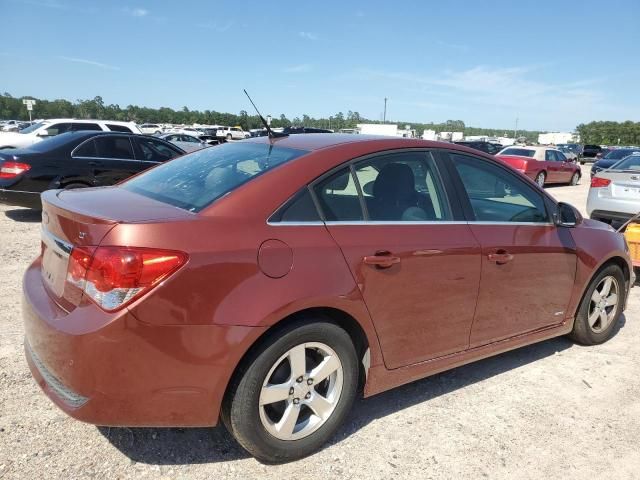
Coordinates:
[317,141]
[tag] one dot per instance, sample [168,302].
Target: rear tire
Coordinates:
[599,311]
[540,179]
[229,137]
[255,412]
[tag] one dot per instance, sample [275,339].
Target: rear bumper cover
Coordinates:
[20,198]
[111,369]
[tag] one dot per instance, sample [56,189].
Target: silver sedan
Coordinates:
[186,142]
[614,196]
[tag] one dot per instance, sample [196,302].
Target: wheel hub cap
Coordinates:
[301,391]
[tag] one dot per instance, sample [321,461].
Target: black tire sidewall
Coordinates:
[582,332]
[243,417]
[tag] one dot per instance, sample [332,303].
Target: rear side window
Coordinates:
[523,152]
[87,149]
[114,147]
[338,197]
[118,128]
[299,209]
[194,181]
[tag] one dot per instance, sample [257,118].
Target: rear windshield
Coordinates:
[523,152]
[196,180]
[620,153]
[631,162]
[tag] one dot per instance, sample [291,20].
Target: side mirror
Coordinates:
[567,215]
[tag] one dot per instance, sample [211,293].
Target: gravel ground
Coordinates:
[553,410]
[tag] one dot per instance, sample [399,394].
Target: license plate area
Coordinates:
[55,260]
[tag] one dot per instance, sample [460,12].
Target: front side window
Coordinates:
[154,151]
[114,147]
[497,196]
[402,187]
[194,181]
[549,156]
[58,128]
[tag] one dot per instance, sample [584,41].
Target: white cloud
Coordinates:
[136,12]
[89,62]
[302,68]
[308,35]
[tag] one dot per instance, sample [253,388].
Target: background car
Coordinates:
[50,128]
[614,196]
[231,133]
[268,284]
[611,158]
[188,143]
[487,147]
[75,160]
[150,129]
[542,164]
[300,130]
[590,152]
[569,153]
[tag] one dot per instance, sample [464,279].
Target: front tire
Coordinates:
[229,137]
[575,179]
[294,393]
[600,308]
[540,179]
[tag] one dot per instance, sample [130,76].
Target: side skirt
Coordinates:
[381,379]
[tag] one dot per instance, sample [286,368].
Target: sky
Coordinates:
[549,64]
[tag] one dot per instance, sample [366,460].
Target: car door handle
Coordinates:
[500,257]
[381,259]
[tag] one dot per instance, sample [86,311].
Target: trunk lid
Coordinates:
[82,218]
[517,162]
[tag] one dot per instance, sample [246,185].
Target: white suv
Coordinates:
[150,128]
[49,128]
[231,133]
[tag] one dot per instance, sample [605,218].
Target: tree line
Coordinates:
[610,133]
[13,108]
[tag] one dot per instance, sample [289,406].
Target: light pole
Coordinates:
[515,132]
[384,116]
[269,120]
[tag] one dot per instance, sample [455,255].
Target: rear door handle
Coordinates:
[381,259]
[500,257]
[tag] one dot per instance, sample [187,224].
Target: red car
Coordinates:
[268,282]
[542,164]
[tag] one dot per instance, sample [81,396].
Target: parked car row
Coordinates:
[77,159]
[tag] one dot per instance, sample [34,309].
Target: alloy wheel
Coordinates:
[301,391]
[540,179]
[603,304]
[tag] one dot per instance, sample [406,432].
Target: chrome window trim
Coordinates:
[355,223]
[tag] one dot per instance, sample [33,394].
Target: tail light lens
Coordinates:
[113,277]
[598,182]
[13,169]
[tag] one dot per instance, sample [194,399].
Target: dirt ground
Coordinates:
[551,410]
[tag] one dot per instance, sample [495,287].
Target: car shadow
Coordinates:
[26,215]
[180,446]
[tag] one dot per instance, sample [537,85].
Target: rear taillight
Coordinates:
[115,276]
[13,169]
[598,182]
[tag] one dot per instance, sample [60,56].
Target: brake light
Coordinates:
[13,169]
[599,182]
[115,276]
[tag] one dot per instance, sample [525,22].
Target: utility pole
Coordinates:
[515,132]
[384,116]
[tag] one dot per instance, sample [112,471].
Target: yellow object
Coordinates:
[632,235]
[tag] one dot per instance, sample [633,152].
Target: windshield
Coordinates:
[194,181]
[523,152]
[619,153]
[632,162]
[32,128]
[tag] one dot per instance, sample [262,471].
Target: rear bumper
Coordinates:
[111,369]
[20,198]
